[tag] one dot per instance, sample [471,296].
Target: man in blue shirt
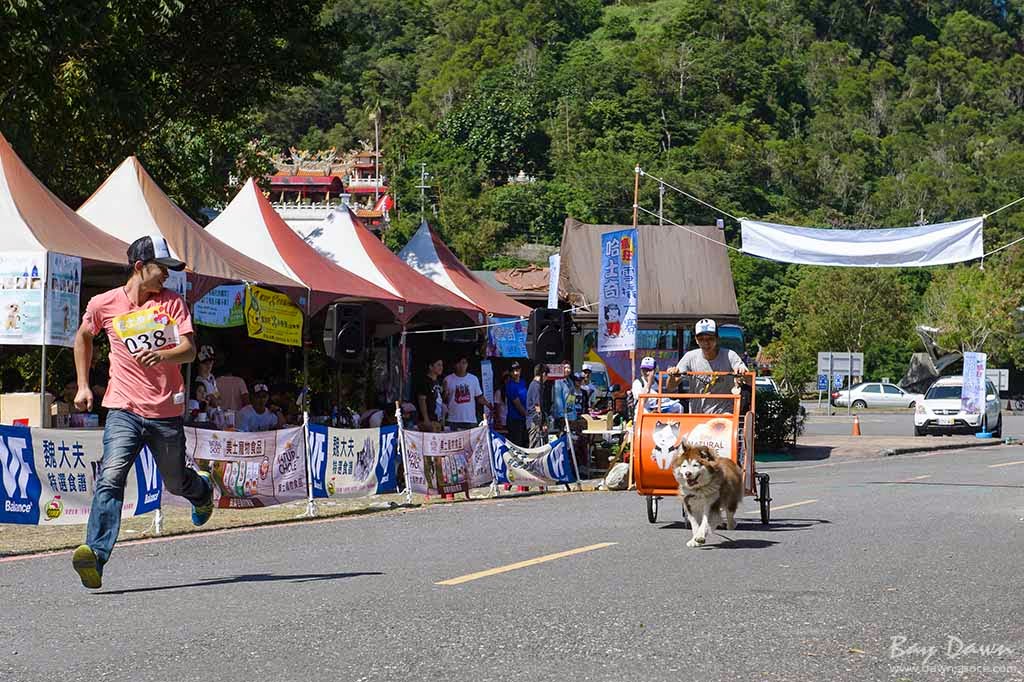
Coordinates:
[515,398]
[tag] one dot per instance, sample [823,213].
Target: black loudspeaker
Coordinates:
[549,335]
[345,332]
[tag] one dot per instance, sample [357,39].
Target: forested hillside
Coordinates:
[832,113]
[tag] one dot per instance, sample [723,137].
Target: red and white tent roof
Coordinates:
[342,238]
[129,204]
[251,225]
[32,218]
[429,256]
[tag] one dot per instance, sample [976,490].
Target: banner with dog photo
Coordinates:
[22,276]
[248,470]
[443,463]
[550,464]
[353,462]
[49,477]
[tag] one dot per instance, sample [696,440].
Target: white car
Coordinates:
[766,384]
[876,394]
[940,411]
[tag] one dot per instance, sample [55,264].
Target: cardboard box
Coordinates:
[600,423]
[24,406]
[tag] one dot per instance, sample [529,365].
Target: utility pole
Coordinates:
[423,187]
[661,203]
[376,156]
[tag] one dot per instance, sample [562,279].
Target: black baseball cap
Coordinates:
[153,248]
[515,365]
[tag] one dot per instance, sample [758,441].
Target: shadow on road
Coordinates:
[249,578]
[773,527]
[745,543]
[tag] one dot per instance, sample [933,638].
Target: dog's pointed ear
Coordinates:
[705,453]
[677,460]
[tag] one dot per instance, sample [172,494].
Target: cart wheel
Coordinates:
[652,508]
[764,497]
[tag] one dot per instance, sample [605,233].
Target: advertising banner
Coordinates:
[506,338]
[617,312]
[272,317]
[353,462]
[49,476]
[442,463]
[972,397]
[222,307]
[63,291]
[22,276]
[258,469]
[550,464]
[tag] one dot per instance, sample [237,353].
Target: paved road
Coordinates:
[921,547]
[874,423]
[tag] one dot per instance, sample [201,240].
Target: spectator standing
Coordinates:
[429,392]
[537,418]
[204,373]
[462,395]
[234,394]
[515,398]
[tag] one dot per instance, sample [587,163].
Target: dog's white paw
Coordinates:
[694,543]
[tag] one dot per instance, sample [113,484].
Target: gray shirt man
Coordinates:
[725,361]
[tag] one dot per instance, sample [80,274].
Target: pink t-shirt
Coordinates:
[156,392]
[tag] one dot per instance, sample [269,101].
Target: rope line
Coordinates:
[687,194]
[694,232]
[516,320]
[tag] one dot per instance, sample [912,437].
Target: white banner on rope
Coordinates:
[938,244]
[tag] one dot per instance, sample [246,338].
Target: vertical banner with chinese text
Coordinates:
[63,291]
[972,396]
[617,310]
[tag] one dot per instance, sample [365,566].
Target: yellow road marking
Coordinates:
[785,506]
[1005,464]
[523,564]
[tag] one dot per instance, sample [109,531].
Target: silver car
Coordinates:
[876,394]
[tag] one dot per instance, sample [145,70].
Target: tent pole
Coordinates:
[310,504]
[42,389]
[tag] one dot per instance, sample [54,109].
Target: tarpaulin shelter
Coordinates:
[32,218]
[430,256]
[251,225]
[342,238]
[129,204]
[34,221]
[683,277]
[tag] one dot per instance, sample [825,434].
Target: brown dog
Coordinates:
[708,486]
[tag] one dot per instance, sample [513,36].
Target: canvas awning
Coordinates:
[429,256]
[683,276]
[32,218]
[342,238]
[129,204]
[250,224]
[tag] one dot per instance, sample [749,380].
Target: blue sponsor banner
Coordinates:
[49,476]
[506,338]
[550,464]
[21,485]
[617,295]
[353,462]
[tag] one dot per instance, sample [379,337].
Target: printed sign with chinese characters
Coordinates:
[224,306]
[272,317]
[21,297]
[249,470]
[63,290]
[353,462]
[617,310]
[49,476]
[442,463]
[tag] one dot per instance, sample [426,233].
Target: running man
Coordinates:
[150,334]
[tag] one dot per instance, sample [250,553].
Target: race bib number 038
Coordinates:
[146,329]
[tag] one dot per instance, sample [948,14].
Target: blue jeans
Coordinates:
[123,438]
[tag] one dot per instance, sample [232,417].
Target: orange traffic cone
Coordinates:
[856,425]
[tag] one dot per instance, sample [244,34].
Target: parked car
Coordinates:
[766,384]
[940,413]
[876,394]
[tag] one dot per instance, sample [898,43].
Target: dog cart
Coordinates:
[657,435]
